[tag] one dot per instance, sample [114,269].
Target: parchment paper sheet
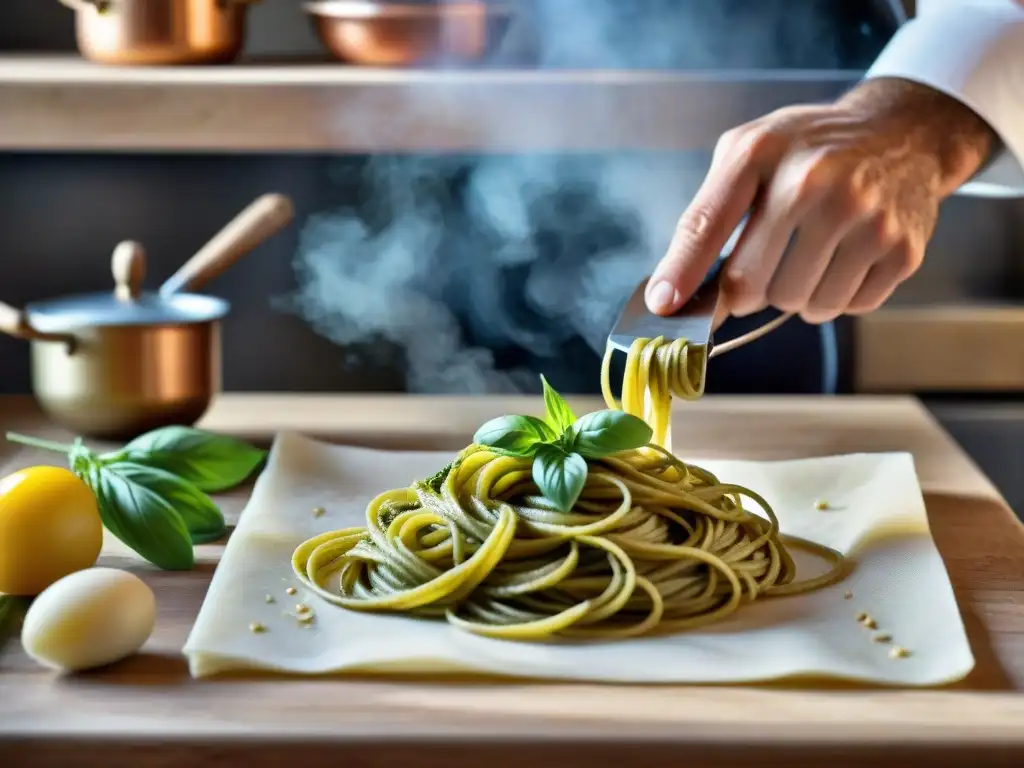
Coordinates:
[878,516]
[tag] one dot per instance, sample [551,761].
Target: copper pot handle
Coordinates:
[14,323]
[263,218]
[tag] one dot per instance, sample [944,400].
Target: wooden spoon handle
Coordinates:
[265,217]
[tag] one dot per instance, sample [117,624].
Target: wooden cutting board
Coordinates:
[147,711]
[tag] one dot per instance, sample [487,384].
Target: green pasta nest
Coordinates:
[649,545]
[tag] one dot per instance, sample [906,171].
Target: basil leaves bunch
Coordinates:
[560,444]
[152,493]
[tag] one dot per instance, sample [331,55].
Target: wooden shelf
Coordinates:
[66,103]
[973,348]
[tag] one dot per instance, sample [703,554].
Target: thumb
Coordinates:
[718,208]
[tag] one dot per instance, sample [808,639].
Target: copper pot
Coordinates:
[119,363]
[160,31]
[387,34]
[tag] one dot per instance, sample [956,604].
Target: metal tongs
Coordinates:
[694,321]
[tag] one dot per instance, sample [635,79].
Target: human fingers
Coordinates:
[846,219]
[885,276]
[864,247]
[719,206]
[793,193]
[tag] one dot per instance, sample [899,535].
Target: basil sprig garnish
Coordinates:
[559,415]
[603,433]
[559,475]
[152,493]
[560,444]
[514,435]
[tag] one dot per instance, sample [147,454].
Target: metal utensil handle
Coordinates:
[265,217]
[715,273]
[14,323]
[746,338]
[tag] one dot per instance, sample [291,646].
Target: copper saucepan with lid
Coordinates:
[119,363]
[141,32]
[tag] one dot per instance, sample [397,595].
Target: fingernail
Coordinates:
[662,297]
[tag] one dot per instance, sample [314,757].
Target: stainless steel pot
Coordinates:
[160,31]
[114,365]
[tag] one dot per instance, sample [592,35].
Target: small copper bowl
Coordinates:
[396,34]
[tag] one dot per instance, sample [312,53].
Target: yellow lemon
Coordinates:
[49,527]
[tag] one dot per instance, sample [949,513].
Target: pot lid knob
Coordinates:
[129,267]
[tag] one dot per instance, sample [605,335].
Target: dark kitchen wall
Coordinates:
[61,215]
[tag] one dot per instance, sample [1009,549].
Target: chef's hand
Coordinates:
[855,185]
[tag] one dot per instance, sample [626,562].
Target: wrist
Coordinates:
[933,126]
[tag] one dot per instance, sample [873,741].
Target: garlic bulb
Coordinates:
[89,619]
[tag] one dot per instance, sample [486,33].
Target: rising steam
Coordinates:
[484,270]
[527,254]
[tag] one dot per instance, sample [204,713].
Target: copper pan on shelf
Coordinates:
[160,32]
[402,34]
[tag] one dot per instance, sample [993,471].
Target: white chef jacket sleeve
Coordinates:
[973,51]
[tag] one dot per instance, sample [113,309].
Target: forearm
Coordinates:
[970,55]
[937,128]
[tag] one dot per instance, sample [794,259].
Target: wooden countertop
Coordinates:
[147,711]
[924,349]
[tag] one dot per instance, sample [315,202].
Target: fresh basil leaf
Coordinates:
[560,476]
[603,433]
[142,519]
[559,415]
[566,441]
[202,516]
[211,462]
[513,435]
